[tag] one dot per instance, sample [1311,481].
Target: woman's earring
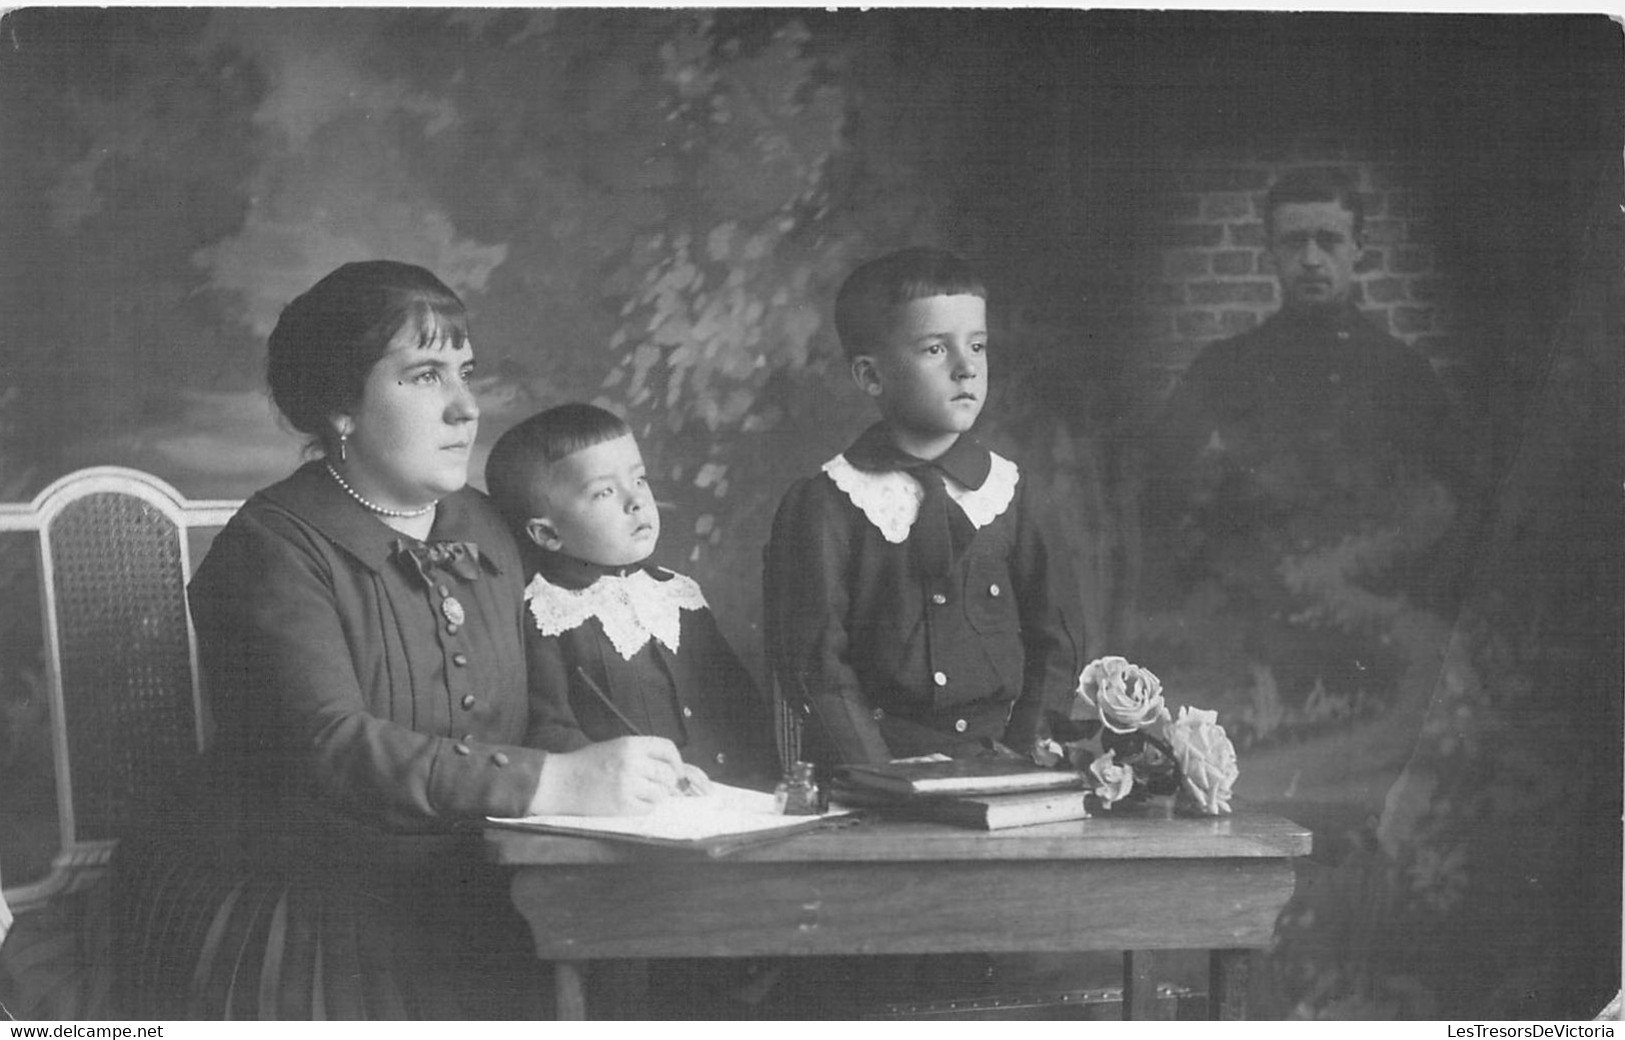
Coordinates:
[343,437]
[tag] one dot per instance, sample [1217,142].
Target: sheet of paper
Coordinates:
[726,810]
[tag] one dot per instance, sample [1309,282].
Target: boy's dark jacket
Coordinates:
[882,667]
[700,697]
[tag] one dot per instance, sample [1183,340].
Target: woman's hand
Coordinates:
[627,776]
[694,781]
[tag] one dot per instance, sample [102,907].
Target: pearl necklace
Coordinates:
[405,514]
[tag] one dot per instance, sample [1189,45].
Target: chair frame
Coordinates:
[76,858]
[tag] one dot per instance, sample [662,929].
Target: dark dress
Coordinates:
[682,682]
[369,710]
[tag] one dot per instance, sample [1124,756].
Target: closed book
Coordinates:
[992,812]
[956,776]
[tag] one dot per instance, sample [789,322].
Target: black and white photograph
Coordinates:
[899,516]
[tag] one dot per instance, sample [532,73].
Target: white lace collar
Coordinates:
[631,608]
[891,498]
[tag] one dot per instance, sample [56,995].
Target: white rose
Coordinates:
[1207,759]
[1113,780]
[1126,696]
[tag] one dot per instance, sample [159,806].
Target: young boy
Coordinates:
[916,598]
[606,625]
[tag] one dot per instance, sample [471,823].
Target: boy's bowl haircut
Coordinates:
[864,303]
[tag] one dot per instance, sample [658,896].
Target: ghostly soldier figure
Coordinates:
[1307,481]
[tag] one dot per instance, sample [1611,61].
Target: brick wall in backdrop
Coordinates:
[1214,278]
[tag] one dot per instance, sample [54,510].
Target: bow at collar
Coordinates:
[966,461]
[460,558]
[939,534]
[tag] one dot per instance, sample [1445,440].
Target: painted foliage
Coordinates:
[653,208]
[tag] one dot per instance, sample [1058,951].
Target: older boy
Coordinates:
[617,644]
[916,599]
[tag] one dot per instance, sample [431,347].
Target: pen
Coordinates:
[683,784]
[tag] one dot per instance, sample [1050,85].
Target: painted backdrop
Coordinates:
[653,208]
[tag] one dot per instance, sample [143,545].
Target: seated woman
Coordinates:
[361,635]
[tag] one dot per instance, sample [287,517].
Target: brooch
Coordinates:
[453,610]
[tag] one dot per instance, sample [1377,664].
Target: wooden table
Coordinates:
[881,886]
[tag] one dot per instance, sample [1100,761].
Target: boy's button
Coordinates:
[878,714]
[461,749]
[500,758]
[459,659]
[452,628]
[468,701]
[960,725]
[994,591]
[938,598]
[721,758]
[688,713]
[444,592]
[940,678]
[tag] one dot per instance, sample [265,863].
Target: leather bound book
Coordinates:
[955,776]
[997,811]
